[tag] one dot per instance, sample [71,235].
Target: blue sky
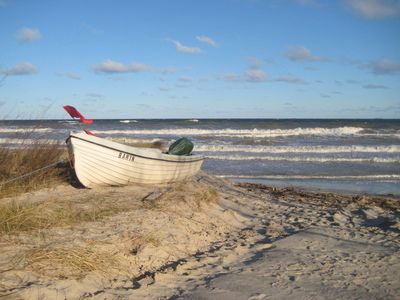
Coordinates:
[200,59]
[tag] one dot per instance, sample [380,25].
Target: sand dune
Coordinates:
[204,239]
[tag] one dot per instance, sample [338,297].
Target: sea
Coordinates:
[341,155]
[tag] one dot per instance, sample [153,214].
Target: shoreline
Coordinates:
[313,191]
[345,187]
[207,238]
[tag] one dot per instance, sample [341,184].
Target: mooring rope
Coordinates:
[32,172]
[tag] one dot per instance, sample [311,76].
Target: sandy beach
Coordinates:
[232,150]
[206,238]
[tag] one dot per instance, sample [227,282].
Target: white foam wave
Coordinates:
[128,121]
[338,177]
[298,149]
[310,159]
[68,122]
[193,120]
[29,141]
[25,130]
[135,141]
[55,141]
[252,133]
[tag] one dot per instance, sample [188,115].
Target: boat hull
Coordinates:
[100,162]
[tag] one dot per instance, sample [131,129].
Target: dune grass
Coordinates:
[195,194]
[28,158]
[140,242]
[23,219]
[205,195]
[181,194]
[68,261]
[25,216]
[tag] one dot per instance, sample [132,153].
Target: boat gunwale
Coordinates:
[197,159]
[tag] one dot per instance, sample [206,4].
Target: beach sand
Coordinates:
[206,238]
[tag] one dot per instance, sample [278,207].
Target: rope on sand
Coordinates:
[31,173]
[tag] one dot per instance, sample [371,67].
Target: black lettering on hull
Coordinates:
[126,156]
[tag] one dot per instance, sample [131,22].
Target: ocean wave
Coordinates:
[56,141]
[128,141]
[298,149]
[11,141]
[309,159]
[129,121]
[25,130]
[68,122]
[255,133]
[390,177]
[235,133]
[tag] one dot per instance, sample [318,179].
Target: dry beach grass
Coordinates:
[27,158]
[18,216]
[31,222]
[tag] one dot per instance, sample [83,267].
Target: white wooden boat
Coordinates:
[101,162]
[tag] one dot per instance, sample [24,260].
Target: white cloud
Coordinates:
[385,66]
[255,63]
[168,70]
[374,86]
[301,53]
[117,78]
[311,69]
[186,79]
[185,49]
[255,75]
[92,29]
[27,35]
[73,76]
[110,66]
[290,79]
[375,9]
[352,81]
[230,77]
[23,68]
[207,40]
[94,95]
